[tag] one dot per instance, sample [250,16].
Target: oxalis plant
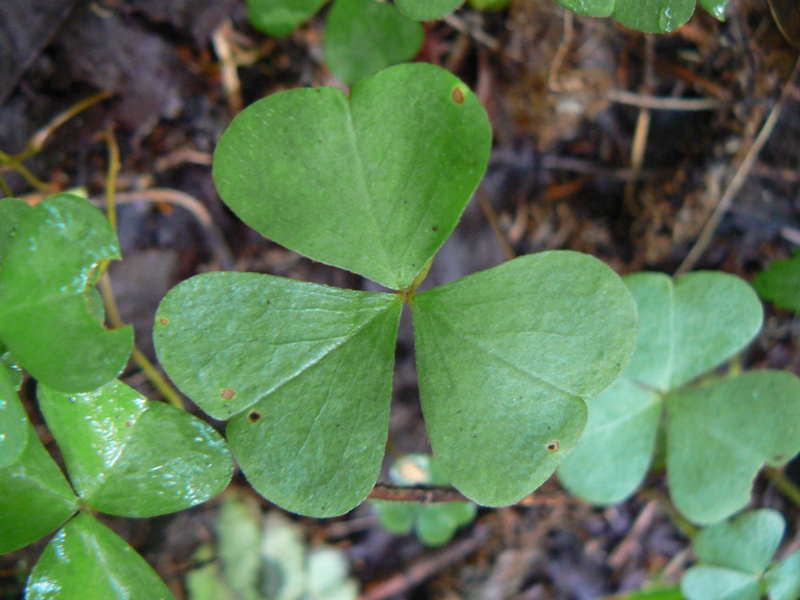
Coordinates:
[713,433]
[280,17]
[374,184]
[124,455]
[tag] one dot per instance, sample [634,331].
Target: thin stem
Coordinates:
[785,485]
[158,381]
[666,505]
[4,186]
[111,178]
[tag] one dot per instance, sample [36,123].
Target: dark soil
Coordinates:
[562,159]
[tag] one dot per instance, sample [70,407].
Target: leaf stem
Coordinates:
[406,294]
[785,485]
[669,509]
[152,374]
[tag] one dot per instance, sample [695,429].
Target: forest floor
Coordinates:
[607,141]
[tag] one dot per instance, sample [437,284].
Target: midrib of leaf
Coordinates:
[533,376]
[342,340]
[362,180]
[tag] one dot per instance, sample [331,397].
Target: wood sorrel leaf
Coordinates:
[89,561]
[719,436]
[310,365]
[780,283]
[133,457]
[733,556]
[44,308]
[506,358]
[363,37]
[35,499]
[783,580]
[13,421]
[686,328]
[652,16]
[374,184]
[281,17]
[427,10]
[12,211]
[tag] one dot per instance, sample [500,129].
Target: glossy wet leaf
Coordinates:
[783,580]
[374,184]
[310,365]
[44,308]
[427,10]
[89,561]
[132,457]
[13,421]
[733,556]
[281,17]
[35,498]
[686,328]
[506,358]
[653,16]
[720,435]
[363,37]
[780,283]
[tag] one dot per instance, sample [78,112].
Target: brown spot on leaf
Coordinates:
[228,393]
[127,423]
[164,321]
[553,446]
[435,228]
[254,416]
[458,96]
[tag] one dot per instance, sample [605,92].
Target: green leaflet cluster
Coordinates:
[375,184]
[125,456]
[735,561]
[280,17]
[716,433]
[434,524]
[650,16]
[361,36]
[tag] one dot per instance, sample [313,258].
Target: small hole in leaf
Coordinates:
[553,446]
[228,393]
[254,416]
[458,96]
[164,321]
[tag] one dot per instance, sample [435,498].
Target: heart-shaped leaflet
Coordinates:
[373,185]
[51,259]
[133,457]
[506,358]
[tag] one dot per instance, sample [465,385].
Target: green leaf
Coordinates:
[780,283]
[427,10]
[132,457]
[651,16]
[12,212]
[374,184]
[281,17]
[396,517]
[312,364]
[686,328]
[733,556]
[783,580]
[719,436]
[746,543]
[363,37]
[490,5]
[717,583]
[506,358]
[715,7]
[87,560]
[44,309]
[614,454]
[35,499]
[13,421]
[437,523]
